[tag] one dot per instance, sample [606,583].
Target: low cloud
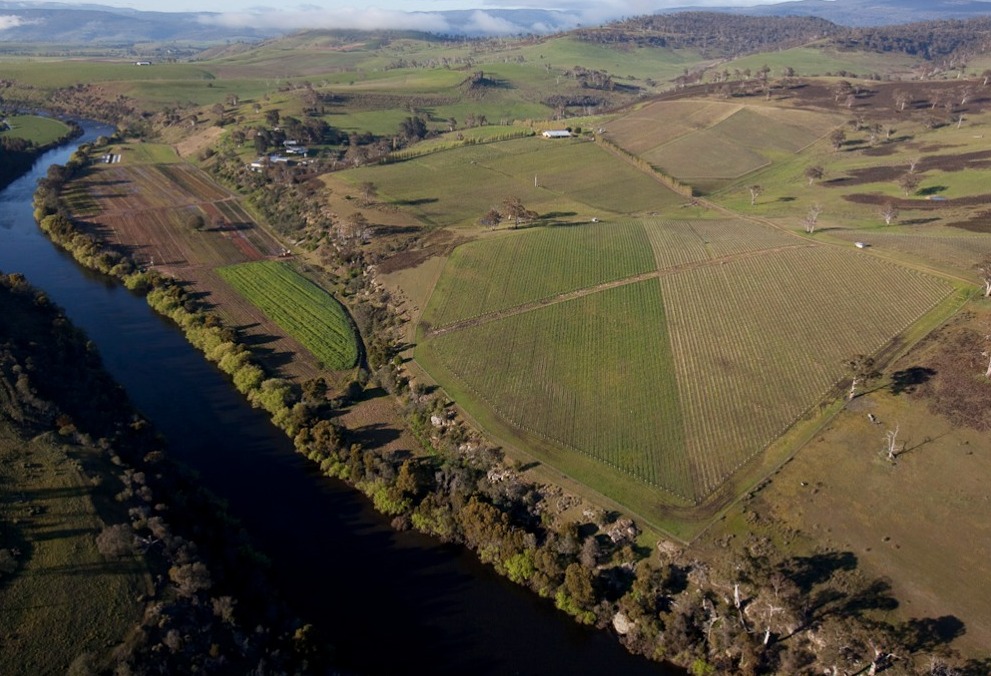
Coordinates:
[478,22]
[348,18]
[8,21]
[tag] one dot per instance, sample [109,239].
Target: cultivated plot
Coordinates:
[301,308]
[567,335]
[593,374]
[761,339]
[497,274]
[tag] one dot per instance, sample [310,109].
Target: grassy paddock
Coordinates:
[39,130]
[576,180]
[64,598]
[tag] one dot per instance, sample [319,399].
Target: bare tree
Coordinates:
[902,98]
[889,212]
[891,444]
[986,77]
[966,92]
[812,217]
[756,190]
[837,138]
[814,173]
[984,270]
[369,191]
[861,369]
[909,183]
[913,163]
[491,218]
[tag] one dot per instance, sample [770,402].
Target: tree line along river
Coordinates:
[390,602]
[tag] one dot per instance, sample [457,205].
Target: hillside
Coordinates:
[727,300]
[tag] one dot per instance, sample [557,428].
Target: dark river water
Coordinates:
[392,603]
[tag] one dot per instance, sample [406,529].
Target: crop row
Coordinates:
[301,308]
[496,274]
[953,248]
[192,181]
[594,375]
[756,344]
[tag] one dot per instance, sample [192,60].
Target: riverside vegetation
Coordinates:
[752,596]
[112,558]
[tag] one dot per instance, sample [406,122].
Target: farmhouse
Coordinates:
[556,133]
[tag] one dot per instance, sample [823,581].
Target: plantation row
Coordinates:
[950,247]
[489,275]
[301,308]
[755,346]
[191,181]
[681,242]
[593,374]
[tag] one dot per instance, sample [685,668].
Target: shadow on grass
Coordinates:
[906,380]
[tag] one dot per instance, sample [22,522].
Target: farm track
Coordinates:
[589,290]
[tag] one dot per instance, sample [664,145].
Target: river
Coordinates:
[390,602]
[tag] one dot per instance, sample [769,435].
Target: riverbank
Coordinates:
[22,143]
[105,543]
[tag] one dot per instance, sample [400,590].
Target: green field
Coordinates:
[302,309]
[39,130]
[576,180]
[562,335]
[594,374]
[529,265]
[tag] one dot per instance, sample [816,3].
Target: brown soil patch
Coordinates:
[876,199]
[980,159]
[436,243]
[980,222]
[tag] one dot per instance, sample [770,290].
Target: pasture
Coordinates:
[39,130]
[576,181]
[62,597]
[301,308]
[707,143]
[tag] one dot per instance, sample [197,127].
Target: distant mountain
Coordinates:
[864,12]
[92,24]
[63,24]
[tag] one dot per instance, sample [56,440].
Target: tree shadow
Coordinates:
[416,202]
[928,634]
[906,380]
[932,190]
[808,571]
[374,436]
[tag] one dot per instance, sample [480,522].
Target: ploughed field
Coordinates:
[664,353]
[174,218]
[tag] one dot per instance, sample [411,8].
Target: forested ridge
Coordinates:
[719,35]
